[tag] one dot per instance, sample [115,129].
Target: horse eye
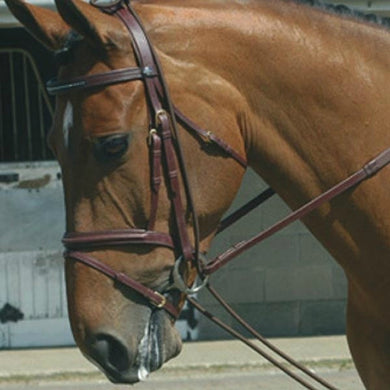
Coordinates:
[111,147]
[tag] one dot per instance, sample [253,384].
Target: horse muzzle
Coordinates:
[131,361]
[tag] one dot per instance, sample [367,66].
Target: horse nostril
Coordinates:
[111,352]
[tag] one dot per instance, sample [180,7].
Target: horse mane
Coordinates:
[344,10]
[63,55]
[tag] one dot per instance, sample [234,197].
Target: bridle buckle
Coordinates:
[163,300]
[159,114]
[152,133]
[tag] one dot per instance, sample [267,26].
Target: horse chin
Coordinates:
[155,348]
[160,342]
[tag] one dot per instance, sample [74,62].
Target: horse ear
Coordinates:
[100,29]
[45,25]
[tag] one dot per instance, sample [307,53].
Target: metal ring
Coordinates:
[105,3]
[179,283]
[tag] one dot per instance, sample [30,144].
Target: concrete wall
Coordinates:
[288,285]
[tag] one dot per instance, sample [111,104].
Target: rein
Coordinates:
[167,162]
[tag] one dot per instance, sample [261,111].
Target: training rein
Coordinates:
[167,162]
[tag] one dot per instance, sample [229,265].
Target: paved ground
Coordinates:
[226,380]
[224,365]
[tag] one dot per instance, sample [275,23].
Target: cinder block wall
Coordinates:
[286,286]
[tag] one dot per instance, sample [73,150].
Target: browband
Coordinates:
[57,87]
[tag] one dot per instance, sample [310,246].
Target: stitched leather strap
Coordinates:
[162,122]
[210,137]
[56,87]
[156,178]
[367,171]
[154,297]
[118,237]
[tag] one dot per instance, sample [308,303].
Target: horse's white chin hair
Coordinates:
[143,374]
[152,352]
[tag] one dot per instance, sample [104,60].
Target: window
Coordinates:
[26,111]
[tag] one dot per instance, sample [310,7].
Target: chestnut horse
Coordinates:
[300,92]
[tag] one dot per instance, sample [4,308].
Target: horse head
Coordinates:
[102,139]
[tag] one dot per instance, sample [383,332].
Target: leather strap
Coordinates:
[161,121]
[120,237]
[175,188]
[56,87]
[254,346]
[367,171]
[154,297]
[245,209]
[144,57]
[210,137]
[156,178]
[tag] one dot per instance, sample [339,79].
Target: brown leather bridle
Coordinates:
[167,162]
[164,145]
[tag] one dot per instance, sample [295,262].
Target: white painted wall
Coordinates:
[31,264]
[32,222]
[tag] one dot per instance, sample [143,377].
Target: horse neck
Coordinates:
[308,82]
[316,86]
[310,91]
[318,98]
